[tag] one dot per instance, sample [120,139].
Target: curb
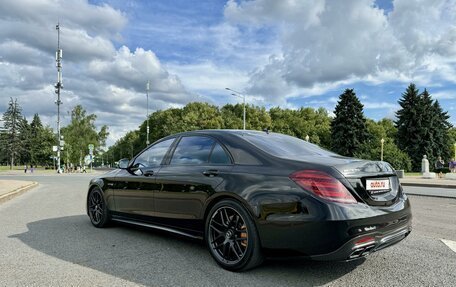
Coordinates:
[428,185]
[16,192]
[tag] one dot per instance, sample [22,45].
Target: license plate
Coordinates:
[377,185]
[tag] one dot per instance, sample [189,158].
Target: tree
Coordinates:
[422,127]
[80,133]
[371,149]
[452,141]
[256,118]
[441,132]
[41,140]
[13,125]
[348,128]
[301,123]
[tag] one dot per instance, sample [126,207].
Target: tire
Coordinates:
[97,208]
[232,237]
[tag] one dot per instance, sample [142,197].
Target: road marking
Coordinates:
[450,244]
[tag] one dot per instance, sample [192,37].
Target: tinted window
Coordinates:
[219,156]
[284,146]
[192,150]
[154,155]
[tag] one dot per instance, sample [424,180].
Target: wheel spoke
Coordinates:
[219,245]
[227,217]
[216,229]
[217,238]
[222,218]
[218,223]
[240,248]
[225,249]
[237,221]
[233,249]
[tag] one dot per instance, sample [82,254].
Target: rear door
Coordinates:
[197,166]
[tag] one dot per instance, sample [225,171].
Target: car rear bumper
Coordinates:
[335,240]
[353,250]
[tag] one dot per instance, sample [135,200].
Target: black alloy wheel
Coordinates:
[232,237]
[98,211]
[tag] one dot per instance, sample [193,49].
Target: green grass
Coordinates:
[21,168]
[6,168]
[412,173]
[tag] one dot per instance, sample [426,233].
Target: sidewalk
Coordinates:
[425,182]
[12,188]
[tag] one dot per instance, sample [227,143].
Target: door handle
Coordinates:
[148,173]
[211,172]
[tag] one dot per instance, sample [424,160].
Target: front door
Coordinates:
[135,186]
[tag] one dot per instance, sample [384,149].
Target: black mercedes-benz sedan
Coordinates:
[253,193]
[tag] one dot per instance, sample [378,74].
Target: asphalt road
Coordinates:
[47,240]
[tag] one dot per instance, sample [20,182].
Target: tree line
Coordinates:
[23,143]
[421,128]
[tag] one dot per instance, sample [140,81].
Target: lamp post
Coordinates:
[240,95]
[147,119]
[454,151]
[381,153]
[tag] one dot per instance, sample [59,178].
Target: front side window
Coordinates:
[193,150]
[154,155]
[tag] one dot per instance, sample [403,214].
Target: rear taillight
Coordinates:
[323,185]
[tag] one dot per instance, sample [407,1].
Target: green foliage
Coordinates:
[371,149]
[422,127]
[15,132]
[452,142]
[256,118]
[79,134]
[40,142]
[196,116]
[348,128]
[301,123]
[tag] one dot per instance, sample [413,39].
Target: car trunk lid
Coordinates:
[375,182]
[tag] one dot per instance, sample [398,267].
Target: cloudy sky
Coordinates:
[287,53]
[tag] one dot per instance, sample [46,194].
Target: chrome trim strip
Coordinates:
[157,227]
[363,245]
[393,236]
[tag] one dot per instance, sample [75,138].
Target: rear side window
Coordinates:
[219,156]
[284,146]
[193,150]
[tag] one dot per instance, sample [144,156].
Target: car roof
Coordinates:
[221,132]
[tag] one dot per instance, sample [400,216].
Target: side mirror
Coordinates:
[123,163]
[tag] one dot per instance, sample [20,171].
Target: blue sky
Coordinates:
[279,53]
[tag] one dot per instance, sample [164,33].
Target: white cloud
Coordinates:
[444,95]
[106,81]
[380,105]
[338,41]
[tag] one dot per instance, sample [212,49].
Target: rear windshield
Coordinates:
[284,146]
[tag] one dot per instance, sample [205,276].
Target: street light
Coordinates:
[381,154]
[240,95]
[454,151]
[147,94]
